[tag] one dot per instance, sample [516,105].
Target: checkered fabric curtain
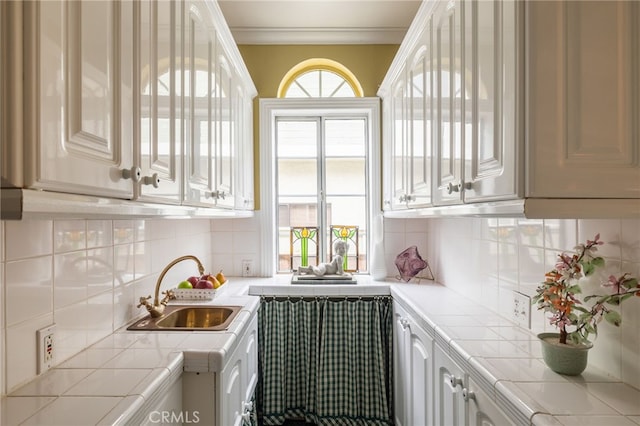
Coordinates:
[326,361]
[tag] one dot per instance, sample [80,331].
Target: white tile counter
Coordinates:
[108,382]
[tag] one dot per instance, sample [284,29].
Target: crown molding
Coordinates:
[318,35]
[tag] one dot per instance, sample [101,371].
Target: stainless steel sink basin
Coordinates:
[179,317]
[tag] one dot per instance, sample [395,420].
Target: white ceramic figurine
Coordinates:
[334,267]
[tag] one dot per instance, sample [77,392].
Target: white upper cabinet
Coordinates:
[244,170]
[79,94]
[583,91]
[200,105]
[225,149]
[491,145]
[217,113]
[144,104]
[535,110]
[453,123]
[160,127]
[410,110]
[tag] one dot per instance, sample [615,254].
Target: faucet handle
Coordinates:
[168,295]
[144,301]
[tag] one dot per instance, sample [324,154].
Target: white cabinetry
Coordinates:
[482,410]
[79,97]
[529,116]
[413,359]
[145,100]
[224,398]
[160,127]
[450,380]
[200,105]
[584,99]
[410,112]
[219,100]
[430,388]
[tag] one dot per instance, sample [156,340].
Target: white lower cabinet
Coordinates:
[413,358]
[430,388]
[450,380]
[482,410]
[224,398]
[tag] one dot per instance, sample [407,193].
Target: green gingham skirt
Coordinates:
[327,361]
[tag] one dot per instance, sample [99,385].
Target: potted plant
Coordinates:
[577,317]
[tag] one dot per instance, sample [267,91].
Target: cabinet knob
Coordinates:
[404,323]
[215,194]
[455,381]
[248,406]
[246,417]
[152,180]
[134,173]
[451,187]
[467,394]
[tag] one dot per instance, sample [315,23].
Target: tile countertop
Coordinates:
[109,381]
[506,360]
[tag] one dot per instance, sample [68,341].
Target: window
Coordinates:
[318,169]
[319,78]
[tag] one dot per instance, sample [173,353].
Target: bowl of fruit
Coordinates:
[203,287]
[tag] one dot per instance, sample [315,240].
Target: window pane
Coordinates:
[297,176]
[345,91]
[346,176]
[330,82]
[295,91]
[311,83]
[345,137]
[297,139]
[350,211]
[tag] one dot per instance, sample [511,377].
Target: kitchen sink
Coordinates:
[184,318]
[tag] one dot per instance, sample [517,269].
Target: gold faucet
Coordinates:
[158,306]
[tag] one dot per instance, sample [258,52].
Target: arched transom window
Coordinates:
[319,78]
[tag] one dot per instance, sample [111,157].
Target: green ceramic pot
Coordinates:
[567,359]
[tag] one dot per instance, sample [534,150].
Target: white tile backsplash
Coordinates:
[483,258]
[86,276]
[29,281]
[486,259]
[28,238]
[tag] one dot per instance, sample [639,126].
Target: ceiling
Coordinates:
[319,21]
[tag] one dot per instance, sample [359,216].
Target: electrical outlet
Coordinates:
[522,309]
[46,347]
[247,268]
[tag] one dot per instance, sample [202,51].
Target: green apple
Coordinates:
[185,284]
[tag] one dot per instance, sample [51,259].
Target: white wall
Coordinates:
[487,259]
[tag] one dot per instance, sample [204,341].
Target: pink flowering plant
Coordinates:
[559,294]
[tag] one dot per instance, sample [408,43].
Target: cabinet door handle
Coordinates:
[215,194]
[467,394]
[152,180]
[134,173]
[404,323]
[455,381]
